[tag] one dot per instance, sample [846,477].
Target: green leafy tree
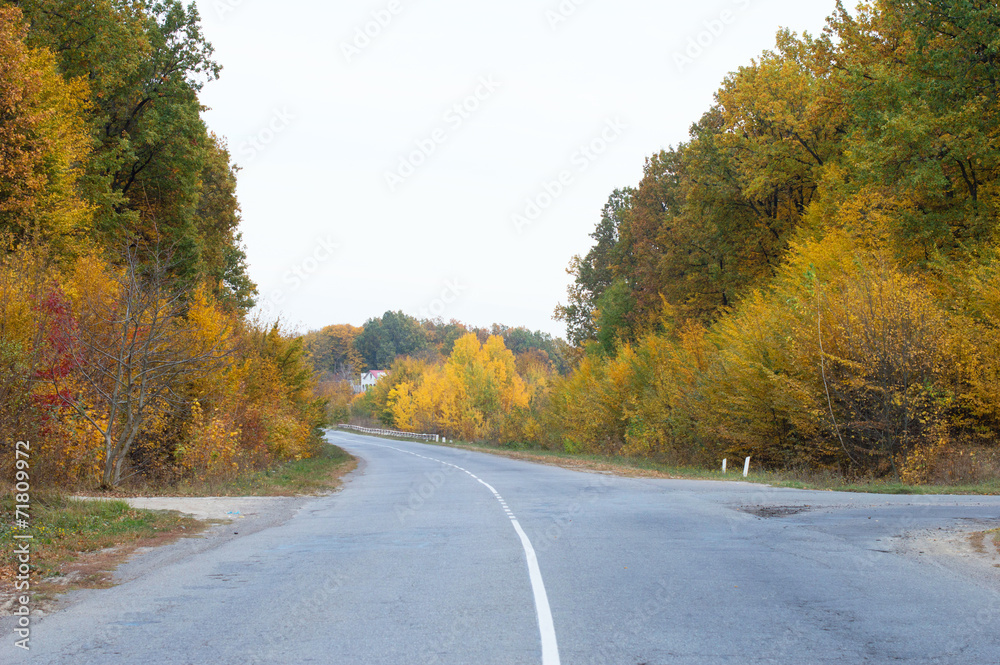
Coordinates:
[594,273]
[922,80]
[218,220]
[155,171]
[614,309]
[383,340]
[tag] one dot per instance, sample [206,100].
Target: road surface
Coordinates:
[432,555]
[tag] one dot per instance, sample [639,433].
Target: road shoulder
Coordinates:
[974,554]
[223,519]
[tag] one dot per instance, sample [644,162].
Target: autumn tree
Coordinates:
[332,352]
[25,275]
[131,349]
[217,218]
[443,335]
[921,78]
[155,167]
[885,367]
[811,278]
[43,143]
[477,394]
[110,352]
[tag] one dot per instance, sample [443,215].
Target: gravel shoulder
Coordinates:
[208,507]
[228,518]
[973,554]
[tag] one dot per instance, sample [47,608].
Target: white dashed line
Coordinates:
[546,628]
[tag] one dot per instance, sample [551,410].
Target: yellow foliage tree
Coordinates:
[44,143]
[477,394]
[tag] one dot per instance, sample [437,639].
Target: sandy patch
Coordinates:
[208,507]
[974,554]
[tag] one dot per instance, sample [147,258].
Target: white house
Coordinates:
[369,379]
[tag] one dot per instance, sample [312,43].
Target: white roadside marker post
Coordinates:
[746,467]
[723,466]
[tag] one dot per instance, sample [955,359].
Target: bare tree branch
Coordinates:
[132,349]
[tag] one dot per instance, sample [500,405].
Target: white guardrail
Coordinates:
[389,432]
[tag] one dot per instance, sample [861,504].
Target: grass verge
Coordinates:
[76,544]
[645,468]
[316,475]
[323,472]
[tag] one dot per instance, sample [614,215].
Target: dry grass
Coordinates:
[981,542]
[323,472]
[977,540]
[967,465]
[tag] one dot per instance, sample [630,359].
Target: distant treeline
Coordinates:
[505,373]
[344,350]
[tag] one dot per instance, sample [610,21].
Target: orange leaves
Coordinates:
[90,283]
[264,398]
[338,396]
[102,345]
[23,277]
[72,331]
[331,350]
[888,348]
[833,220]
[206,321]
[776,118]
[44,141]
[211,448]
[644,402]
[496,394]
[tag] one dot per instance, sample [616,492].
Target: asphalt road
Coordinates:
[426,557]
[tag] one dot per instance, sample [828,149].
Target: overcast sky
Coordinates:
[449,157]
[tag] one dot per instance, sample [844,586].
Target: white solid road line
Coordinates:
[546,627]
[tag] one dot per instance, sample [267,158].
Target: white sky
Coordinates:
[316,130]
